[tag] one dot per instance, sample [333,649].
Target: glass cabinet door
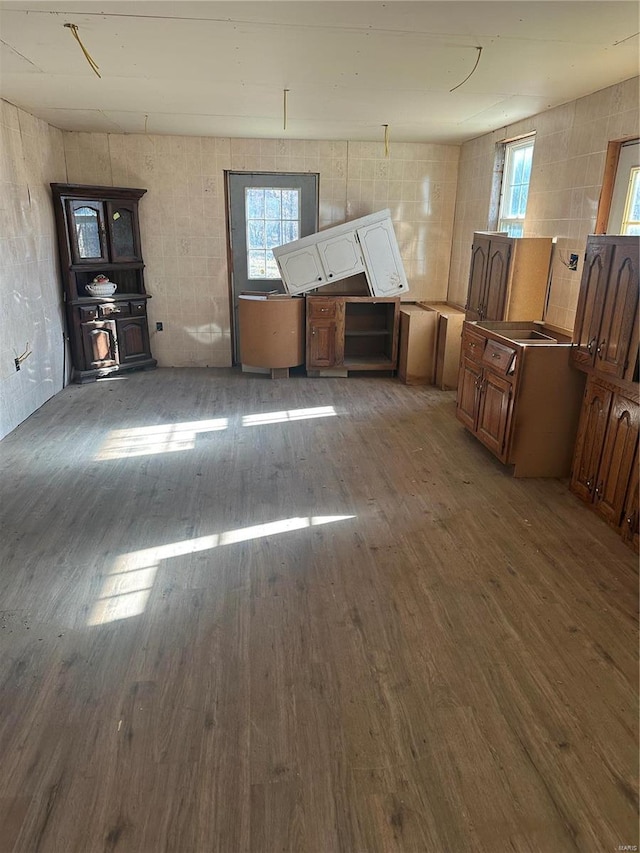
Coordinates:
[122,225]
[87,231]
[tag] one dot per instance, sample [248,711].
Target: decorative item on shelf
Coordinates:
[101,286]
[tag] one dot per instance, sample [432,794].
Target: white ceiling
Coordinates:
[220,68]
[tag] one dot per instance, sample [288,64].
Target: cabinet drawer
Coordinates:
[473,345]
[88,313]
[498,356]
[138,309]
[115,309]
[318,308]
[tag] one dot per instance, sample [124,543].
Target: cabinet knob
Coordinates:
[591,345]
[319,278]
[601,347]
[495,355]
[330,275]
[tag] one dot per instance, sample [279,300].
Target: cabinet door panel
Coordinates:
[494,412]
[133,339]
[468,391]
[87,233]
[496,286]
[590,301]
[619,312]
[477,276]
[321,344]
[631,514]
[341,256]
[385,272]
[617,457]
[301,269]
[99,344]
[590,440]
[122,228]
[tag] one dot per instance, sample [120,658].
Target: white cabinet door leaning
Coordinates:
[367,245]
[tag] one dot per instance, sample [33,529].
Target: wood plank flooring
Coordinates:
[234,621]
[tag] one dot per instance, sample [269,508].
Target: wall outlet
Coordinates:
[160,327]
[573,262]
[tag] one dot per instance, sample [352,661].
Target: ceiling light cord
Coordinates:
[285,92]
[88,57]
[479,49]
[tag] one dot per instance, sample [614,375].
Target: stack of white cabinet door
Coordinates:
[367,245]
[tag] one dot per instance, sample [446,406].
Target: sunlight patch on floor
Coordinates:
[171,438]
[126,589]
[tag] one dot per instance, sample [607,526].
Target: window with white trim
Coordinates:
[631,216]
[518,157]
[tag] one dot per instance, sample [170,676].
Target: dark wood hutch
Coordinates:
[99,233]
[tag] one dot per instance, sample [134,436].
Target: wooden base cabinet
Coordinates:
[606,455]
[352,333]
[521,400]
[98,233]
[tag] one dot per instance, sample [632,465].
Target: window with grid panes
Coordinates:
[518,157]
[272,219]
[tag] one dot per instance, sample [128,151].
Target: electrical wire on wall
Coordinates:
[285,92]
[88,57]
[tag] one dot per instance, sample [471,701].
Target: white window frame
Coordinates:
[630,225]
[513,225]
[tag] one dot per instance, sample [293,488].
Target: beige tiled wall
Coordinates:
[31,155]
[568,165]
[183,216]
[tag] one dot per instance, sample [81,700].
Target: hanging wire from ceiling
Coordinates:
[88,57]
[285,92]
[479,49]
[386,140]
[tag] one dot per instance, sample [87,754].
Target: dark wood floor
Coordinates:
[304,631]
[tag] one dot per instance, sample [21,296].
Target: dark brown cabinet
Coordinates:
[99,233]
[352,333]
[507,277]
[607,312]
[605,347]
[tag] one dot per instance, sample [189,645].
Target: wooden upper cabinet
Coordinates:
[508,277]
[607,313]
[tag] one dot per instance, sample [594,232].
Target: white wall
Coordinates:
[31,155]
[566,177]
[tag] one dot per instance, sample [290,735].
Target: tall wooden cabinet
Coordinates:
[508,277]
[605,346]
[98,233]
